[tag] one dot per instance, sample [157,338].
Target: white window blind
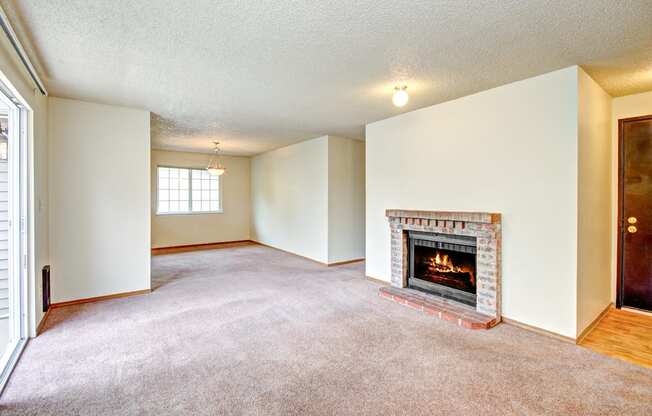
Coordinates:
[183,190]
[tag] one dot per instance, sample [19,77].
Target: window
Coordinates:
[184,191]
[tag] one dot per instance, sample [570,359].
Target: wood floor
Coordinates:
[623,334]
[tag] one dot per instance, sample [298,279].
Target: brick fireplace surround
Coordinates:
[486,227]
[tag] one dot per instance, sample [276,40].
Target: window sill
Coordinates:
[167,214]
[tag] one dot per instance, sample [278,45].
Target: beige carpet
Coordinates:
[254,331]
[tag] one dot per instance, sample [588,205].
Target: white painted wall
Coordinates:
[308,199]
[512,150]
[346,197]
[230,225]
[13,73]
[594,259]
[623,107]
[99,199]
[289,190]
[631,106]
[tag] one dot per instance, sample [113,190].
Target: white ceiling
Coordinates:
[262,74]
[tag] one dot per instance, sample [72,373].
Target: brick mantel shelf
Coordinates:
[484,226]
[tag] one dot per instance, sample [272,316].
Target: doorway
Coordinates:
[13,231]
[634,283]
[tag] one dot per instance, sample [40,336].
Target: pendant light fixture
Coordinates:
[215,166]
[400,97]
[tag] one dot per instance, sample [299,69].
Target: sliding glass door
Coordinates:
[13,244]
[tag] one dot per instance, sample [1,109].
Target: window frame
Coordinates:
[220,210]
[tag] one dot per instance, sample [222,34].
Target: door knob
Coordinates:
[631,229]
[632,220]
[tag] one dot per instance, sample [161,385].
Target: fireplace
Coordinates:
[443,264]
[453,256]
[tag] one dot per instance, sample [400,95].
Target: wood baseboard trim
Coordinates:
[99,298]
[377,280]
[341,263]
[338,263]
[289,252]
[539,331]
[202,246]
[595,322]
[41,325]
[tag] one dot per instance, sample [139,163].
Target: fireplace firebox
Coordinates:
[443,264]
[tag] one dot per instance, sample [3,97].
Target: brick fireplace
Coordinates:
[447,264]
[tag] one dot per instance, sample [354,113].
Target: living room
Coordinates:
[329,208]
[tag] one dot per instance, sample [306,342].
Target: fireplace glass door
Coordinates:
[443,264]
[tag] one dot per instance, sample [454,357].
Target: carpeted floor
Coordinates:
[254,331]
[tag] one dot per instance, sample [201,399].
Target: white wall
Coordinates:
[594,201]
[230,225]
[631,106]
[346,196]
[623,107]
[15,74]
[512,150]
[99,199]
[308,199]
[289,190]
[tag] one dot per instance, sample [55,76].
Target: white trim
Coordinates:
[20,258]
[166,214]
[11,363]
[18,47]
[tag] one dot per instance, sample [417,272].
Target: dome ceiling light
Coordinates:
[400,97]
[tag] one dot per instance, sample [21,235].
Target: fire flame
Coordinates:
[442,263]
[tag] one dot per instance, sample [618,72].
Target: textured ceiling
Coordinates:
[262,74]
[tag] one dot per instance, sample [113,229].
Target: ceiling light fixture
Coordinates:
[400,97]
[215,166]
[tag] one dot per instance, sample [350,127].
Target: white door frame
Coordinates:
[17,147]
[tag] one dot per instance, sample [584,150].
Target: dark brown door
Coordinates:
[635,245]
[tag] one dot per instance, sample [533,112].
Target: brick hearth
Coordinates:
[462,315]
